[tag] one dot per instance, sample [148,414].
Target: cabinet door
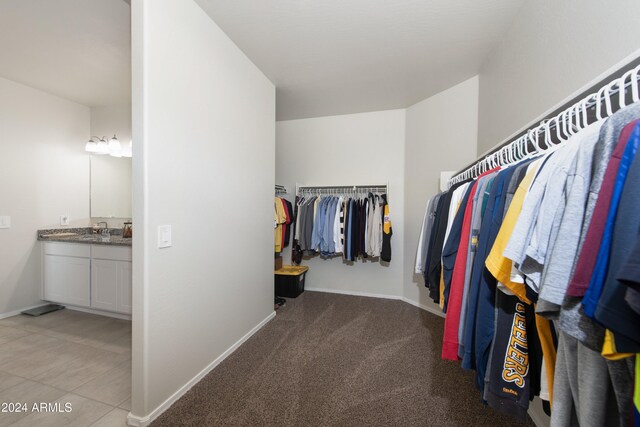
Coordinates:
[124,287]
[66,280]
[104,279]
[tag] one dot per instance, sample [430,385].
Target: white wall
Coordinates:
[44,173]
[441,135]
[553,49]
[204,132]
[112,119]
[366,148]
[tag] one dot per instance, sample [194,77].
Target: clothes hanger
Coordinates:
[559,125]
[622,88]
[599,100]
[584,105]
[634,84]
[607,99]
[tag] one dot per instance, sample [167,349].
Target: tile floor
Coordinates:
[66,357]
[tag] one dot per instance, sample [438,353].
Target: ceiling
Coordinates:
[76,49]
[335,57]
[325,57]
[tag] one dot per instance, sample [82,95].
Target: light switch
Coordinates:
[64,219]
[5,221]
[164,236]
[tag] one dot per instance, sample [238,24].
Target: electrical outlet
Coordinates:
[5,221]
[64,219]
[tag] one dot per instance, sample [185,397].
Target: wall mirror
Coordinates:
[110,186]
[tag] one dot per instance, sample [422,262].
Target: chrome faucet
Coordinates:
[103,230]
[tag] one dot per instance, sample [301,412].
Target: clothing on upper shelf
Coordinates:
[353,227]
[557,235]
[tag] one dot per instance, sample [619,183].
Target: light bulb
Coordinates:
[103,147]
[91,146]
[114,146]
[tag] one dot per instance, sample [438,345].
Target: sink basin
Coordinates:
[89,237]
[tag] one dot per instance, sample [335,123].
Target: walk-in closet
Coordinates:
[330,213]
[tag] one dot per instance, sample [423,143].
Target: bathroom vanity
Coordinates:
[86,270]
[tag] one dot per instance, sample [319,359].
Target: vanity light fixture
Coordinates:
[101,146]
[97,145]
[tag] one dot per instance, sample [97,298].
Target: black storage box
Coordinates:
[289,280]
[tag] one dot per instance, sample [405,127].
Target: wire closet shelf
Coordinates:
[556,129]
[308,190]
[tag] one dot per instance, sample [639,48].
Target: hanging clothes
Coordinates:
[353,227]
[551,238]
[283,220]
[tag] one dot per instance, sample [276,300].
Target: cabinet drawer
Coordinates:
[67,249]
[115,253]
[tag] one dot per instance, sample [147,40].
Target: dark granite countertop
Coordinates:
[83,235]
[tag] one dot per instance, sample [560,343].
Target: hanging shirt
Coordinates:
[450,250]
[376,235]
[572,320]
[559,266]
[524,236]
[596,283]
[456,198]
[434,267]
[497,264]
[387,232]
[477,269]
[588,256]
[286,227]
[484,183]
[612,311]
[280,218]
[454,259]
[425,233]
[338,221]
[486,296]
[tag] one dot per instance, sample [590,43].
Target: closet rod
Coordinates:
[372,187]
[586,106]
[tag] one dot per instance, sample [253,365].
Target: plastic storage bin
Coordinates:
[289,280]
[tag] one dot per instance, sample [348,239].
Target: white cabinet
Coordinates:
[66,279]
[123,295]
[96,276]
[111,278]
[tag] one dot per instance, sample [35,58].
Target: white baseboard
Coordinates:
[137,421]
[354,293]
[16,312]
[423,307]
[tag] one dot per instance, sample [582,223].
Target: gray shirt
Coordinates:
[425,234]
[557,273]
